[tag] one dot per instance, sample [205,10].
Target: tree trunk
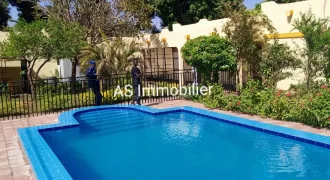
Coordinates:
[216,77]
[308,74]
[74,63]
[32,83]
[240,73]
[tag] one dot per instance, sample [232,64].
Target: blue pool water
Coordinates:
[124,144]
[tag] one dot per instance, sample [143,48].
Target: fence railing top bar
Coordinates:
[84,78]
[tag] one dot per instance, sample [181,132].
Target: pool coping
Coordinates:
[46,165]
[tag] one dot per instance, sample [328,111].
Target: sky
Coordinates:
[248,3]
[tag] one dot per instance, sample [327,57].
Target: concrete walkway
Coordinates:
[14,165]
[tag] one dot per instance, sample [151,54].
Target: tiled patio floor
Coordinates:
[14,165]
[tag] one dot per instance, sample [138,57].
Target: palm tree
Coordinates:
[112,57]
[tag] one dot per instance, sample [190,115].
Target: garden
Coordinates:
[308,107]
[267,62]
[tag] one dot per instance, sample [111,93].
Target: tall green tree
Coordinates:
[26,9]
[27,42]
[316,40]
[114,18]
[190,11]
[43,41]
[65,39]
[278,61]
[246,31]
[4,14]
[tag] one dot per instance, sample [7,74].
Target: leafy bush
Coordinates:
[3,88]
[216,98]
[44,88]
[310,108]
[209,54]
[54,102]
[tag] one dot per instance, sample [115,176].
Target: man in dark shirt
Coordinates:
[94,83]
[136,81]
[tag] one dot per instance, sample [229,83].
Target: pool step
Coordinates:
[88,117]
[126,127]
[114,122]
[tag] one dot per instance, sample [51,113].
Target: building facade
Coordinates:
[162,50]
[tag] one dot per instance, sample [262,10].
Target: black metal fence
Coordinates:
[49,96]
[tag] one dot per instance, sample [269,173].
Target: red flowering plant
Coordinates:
[309,107]
[277,106]
[251,97]
[217,97]
[234,103]
[319,107]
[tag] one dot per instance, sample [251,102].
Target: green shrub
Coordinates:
[209,55]
[216,98]
[310,108]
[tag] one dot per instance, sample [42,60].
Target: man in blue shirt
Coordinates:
[94,83]
[136,80]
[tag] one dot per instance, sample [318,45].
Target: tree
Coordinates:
[326,39]
[65,39]
[27,42]
[42,40]
[284,1]
[277,62]
[114,18]
[209,55]
[246,31]
[316,39]
[113,57]
[4,14]
[258,5]
[190,11]
[27,11]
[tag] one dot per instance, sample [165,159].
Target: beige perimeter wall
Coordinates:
[277,13]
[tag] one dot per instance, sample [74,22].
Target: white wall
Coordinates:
[277,14]
[65,69]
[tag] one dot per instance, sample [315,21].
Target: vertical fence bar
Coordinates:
[43,98]
[111,99]
[72,90]
[23,97]
[2,105]
[34,98]
[62,96]
[15,104]
[11,114]
[30,105]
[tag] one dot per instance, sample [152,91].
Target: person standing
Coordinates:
[94,83]
[136,81]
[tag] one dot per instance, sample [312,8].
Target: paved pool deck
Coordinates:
[13,162]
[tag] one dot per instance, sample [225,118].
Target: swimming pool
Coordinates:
[136,142]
